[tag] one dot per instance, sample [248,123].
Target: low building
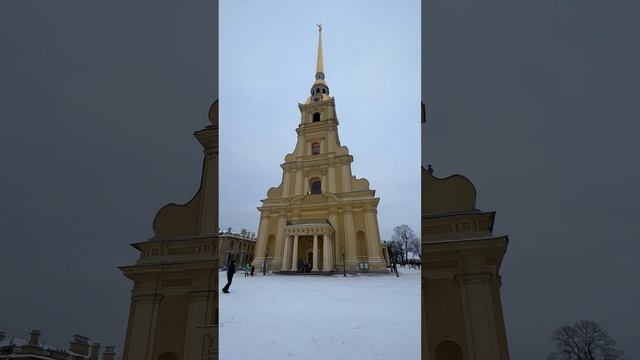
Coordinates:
[12,347]
[236,246]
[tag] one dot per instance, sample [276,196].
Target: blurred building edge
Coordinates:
[236,246]
[12,347]
[174,301]
[461,307]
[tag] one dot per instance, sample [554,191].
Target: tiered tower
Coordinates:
[320,214]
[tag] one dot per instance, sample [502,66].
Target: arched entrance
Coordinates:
[448,350]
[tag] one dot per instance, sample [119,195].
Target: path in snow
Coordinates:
[321,317]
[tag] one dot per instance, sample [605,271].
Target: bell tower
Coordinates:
[320,215]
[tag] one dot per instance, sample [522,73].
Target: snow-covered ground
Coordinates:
[321,317]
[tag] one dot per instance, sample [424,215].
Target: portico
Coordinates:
[302,243]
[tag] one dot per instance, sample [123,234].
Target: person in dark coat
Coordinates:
[253,268]
[230,272]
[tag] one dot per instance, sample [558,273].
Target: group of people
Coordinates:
[248,271]
[304,266]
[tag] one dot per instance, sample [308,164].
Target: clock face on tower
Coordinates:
[316,98]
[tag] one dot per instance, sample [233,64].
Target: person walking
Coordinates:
[246,270]
[230,272]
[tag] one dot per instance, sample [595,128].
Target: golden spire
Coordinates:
[319,63]
[319,90]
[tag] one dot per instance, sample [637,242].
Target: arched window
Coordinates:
[315,148]
[316,117]
[316,186]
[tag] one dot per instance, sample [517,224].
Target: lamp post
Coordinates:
[344,262]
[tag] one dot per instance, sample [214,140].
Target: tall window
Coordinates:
[316,117]
[315,148]
[316,186]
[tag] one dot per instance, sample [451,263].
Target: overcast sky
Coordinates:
[537,103]
[372,66]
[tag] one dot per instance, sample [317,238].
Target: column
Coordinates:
[294,255]
[315,252]
[285,254]
[323,182]
[325,253]
[306,185]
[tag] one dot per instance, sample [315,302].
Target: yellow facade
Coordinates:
[174,302]
[320,214]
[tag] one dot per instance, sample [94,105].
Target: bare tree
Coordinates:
[396,250]
[584,340]
[416,247]
[404,234]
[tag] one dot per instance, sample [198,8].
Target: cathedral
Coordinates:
[461,307]
[320,218]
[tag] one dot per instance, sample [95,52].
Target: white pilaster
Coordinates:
[294,255]
[315,252]
[325,254]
